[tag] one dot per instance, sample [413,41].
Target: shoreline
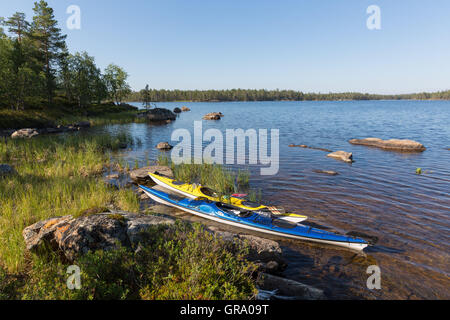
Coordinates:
[312,100]
[52,117]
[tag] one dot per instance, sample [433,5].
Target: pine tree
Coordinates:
[145,96]
[49,41]
[2,32]
[18,25]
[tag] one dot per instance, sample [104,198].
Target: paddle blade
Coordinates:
[239,195]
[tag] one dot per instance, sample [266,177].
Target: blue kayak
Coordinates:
[254,220]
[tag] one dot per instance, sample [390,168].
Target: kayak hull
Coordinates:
[299,232]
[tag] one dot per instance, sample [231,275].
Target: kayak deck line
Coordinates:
[253,221]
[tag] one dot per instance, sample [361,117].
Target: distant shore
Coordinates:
[337,100]
[155,95]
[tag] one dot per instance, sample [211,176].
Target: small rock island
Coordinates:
[402,145]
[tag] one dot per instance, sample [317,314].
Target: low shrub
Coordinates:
[182,261]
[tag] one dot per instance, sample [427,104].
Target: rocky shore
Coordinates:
[32,132]
[106,228]
[156,115]
[72,237]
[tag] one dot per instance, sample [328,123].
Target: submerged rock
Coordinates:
[341,155]
[403,145]
[329,172]
[112,176]
[24,133]
[164,146]
[54,130]
[6,170]
[83,124]
[141,174]
[289,289]
[298,145]
[213,116]
[308,147]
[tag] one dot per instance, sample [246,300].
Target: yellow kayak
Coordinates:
[194,191]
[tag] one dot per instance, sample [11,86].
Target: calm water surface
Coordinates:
[379,194]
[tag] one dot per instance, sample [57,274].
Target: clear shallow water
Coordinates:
[379,194]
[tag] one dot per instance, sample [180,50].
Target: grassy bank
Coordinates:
[56,176]
[41,116]
[61,175]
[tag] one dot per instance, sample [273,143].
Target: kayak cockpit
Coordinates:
[209,192]
[230,209]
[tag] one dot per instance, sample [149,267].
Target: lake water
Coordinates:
[379,194]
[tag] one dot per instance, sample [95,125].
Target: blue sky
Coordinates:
[312,46]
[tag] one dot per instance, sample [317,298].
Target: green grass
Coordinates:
[56,176]
[222,180]
[181,261]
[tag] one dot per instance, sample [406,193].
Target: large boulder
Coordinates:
[213,116]
[6,170]
[141,175]
[160,114]
[77,236]
[24,133]
[403,145]
[265,252]
[105,230]
[341,155]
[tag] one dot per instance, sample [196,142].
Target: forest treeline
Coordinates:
[36,68]
[155,95]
